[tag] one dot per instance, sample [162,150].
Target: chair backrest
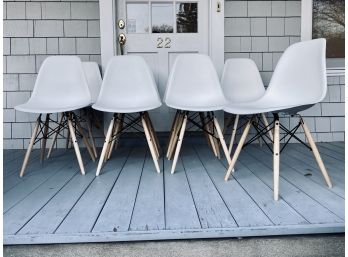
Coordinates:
[61,82]
[93,77]
[128,80]
[192,81]
[241,80]
[300,75]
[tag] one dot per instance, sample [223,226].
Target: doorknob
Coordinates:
[121,41]
[121,24]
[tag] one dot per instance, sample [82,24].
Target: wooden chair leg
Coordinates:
[171,134]
[116,130]
[108,147]
[175,136]
[316,153]
[150,143]
[216,141]
[153,133]
[120,129]
[265,121]
[105,146]
[239,148]
[91,138]
[222,140]
[202,117]
[85,140]
[211,138]
[56,136]
[276,164]
[75,144]
[178,146]
[234,131]
[44,138]
[67,140]
[30,147]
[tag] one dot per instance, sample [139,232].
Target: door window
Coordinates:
[137,18]
[166,17]
[186,18]
[162,18]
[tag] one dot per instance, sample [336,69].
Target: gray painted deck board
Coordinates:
[123,195]
[334,146]
[325,197]
[334,167]
[180,210]
[20,214]
[148,213]
[307,207]
[14,166]
[243,208]
[280,213]
[83,216]
[49,218]
[310,171]
[212,210]
[130,201]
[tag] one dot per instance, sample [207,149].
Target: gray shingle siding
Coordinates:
[33,31]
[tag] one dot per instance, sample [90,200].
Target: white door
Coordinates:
[160,30]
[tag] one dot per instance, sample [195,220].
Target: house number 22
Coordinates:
[163,43]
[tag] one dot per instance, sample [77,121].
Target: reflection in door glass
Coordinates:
[186,17]
[162,18]
[137,18]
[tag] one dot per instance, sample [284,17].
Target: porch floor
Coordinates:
[129,201]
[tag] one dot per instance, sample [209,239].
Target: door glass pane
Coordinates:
[186,17]
[137,18]
[162,18]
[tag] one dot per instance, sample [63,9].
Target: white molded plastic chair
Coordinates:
[128,87]
[298,82]
[194,86]
[94,81]
[60,87]
[241,82]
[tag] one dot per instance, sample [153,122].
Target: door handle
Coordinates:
[122,41]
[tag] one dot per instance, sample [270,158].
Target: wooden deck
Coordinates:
[54,203]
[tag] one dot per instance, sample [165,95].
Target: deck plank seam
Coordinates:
[257,177]
[28,176]
[320,184]
[247,193]
[136,194]
[296,186]
[164,190]
[112,187]
[76,173]
[189,185]
[316,168]
[216,188]
[72,207]
[58,169]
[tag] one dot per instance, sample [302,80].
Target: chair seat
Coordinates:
[255,107]
[197,108]
[118,108]
[32,107]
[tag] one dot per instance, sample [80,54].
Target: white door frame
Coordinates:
[108,35]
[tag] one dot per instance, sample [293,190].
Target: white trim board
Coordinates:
[174,234]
